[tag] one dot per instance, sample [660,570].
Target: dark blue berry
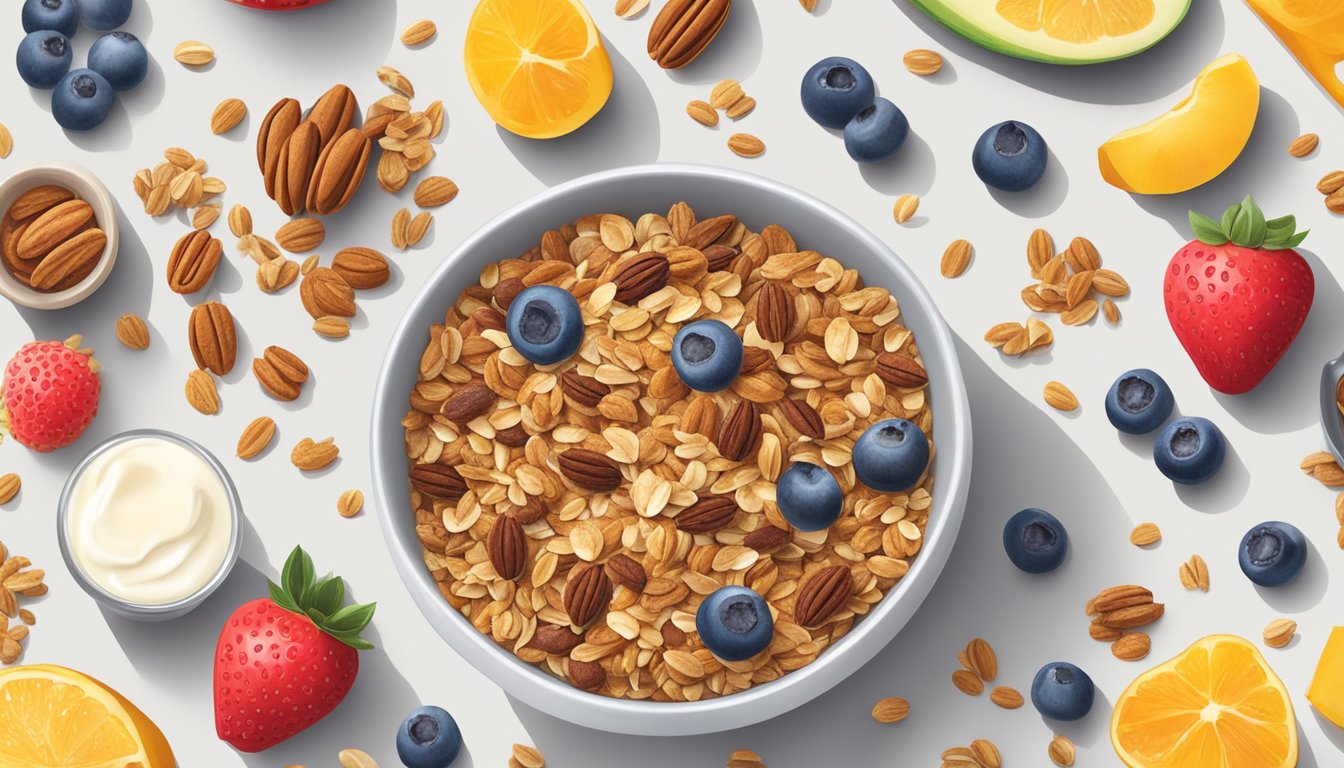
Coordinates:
[44,58]
[428,738]
[707,355]
[545,324]
[121,58]
[1062,691]
[891,455]
[50,15]
[103,15]
[1189,450]
[82,100]
[809,497]
[1035,541]
[835,90]
[1010,156]
[1139,401]
[735,623]
[876,132]
[1272,554]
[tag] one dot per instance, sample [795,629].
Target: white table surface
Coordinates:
[1025,454]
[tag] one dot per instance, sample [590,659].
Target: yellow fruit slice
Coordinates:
[53,717]
[1326,693]
[1194,142]
[537,66]
[1079,21]
[1216,705]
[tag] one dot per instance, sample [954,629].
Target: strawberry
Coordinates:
[284,662]
[278,5]
[1238,294]
[50,393]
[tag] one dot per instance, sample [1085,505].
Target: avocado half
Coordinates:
[980,22]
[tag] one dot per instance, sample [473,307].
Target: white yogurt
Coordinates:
[149,521]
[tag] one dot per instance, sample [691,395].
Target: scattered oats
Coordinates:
[133,332]
[1060,397]
[746,145]
[1062,751]
[905,207]
[1195,574]
[923,62]
[193,53]
[1280,632]
[528,757]
[1145,534]
[350,502]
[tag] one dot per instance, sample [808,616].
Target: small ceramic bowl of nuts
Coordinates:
[58,235]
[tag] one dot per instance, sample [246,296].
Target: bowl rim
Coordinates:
[557,698]
[105,211]
[128,608]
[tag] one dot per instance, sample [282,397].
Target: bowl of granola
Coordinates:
[560,518]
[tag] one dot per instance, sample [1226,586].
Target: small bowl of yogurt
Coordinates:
[149,524]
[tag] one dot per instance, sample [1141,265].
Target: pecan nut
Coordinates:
[293,170]
[683,30]
[587,594]
[55,226]
[741,432]
[66,265]
[506,546]
[767,538]
[590,469]
[324,293]
[193,261]
[640,276]
[333,112]
[775,313]
[582,390]
[822,595]
[901,370]
[708,514]
[339,172]
[213,338]
[803,418]
[438,480]
[705,232]
[555,639]
[276,128]
[362,268]
[626,572]
[280,373]
[468,403]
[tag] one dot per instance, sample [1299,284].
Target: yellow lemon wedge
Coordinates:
[1195,141]
[537,66]
[1216,705]
[1326,693]
[53,717]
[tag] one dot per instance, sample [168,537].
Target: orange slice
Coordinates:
[537,66]
[52,717]
[1216,705]
[1079,21]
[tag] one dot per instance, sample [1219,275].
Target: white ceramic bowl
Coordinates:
[87,187]
[632,191]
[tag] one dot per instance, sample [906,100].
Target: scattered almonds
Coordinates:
[745,758]
[1016,339]
[905,207]
[891,710]
[133,331]
[1062,751]
[746,145]
[1117,610]
[1304,145]
[201,392]
[956,258]
[350,502]
[17,579]
[1324,468]
[968,682]
[419,32]
[980,754]
[1060,397]
[1006,697]
[227,115]
[527,757]
[435,191]
[923,62]
[1132,646]
[9,487]
[256,437]
[1195,574]
[193,53]
[1145,534]
[1280,632]
[702,113]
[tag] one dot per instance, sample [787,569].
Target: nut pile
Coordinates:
[314,163]
[178,180]
[17,579]
[50,239]
[1332,186]
[578,513]
[1117,613]
[727,96]
[980,754]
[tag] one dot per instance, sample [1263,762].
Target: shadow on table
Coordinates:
[977,592]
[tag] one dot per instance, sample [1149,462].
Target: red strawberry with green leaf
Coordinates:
[285,662]
[1238,294]
[50,393]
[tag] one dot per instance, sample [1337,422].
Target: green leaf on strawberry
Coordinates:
[300,591]
[1244,224]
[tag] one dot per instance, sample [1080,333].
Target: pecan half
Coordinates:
[741,432]
[213,338]
[280,373]
[803,418]
[587,594]
[468,403]
[555,639]
[626,572]
[506,546]
[590,469]
[193,262]
[438,480]
[775,312]
[708,514]
[901,370]
[583,390]
[683,30]
[822,595]
[767,538]
[640,276]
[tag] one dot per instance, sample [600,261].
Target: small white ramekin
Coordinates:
[141,611]
[87,187]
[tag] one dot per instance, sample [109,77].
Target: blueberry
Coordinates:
[1062,691]
[545,324]
[891,455]
[1189,450]
[44,58]
[121,59]
[1139,401]
[707,355]
[835,90]
[809,497]
[1010,156]
[51,15]
[102,15]
[735,623]
[1035,541]
[1272,554]
[428,738]
[876,132]
[82,100]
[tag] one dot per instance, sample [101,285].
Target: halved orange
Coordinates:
[1079,21]
[537,66]
[53,717]
[1216,705]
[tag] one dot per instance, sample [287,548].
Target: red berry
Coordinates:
[50,395]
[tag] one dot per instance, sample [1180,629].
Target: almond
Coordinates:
[212,337]
[54,226]
[310,456]
[339,172]
[204,216]
[746,145]
[133,332]
[227,115]
[39,200]
[280,373]
[301,235]
[362,268]
[725,94]
[1304,145]
[983,661]
[956,258]
[240,220]
[1329,184]
[1278,633]
[776,312]
[702,113]
[767,538]
[6,142]
[418,33]
[1145,534]
[201,392]
[923,62]
[626,572]
[1061,751]
[905,208]
[70,262]
[418,228]
[331,327]
[1006,697]
[193,261]
[891,710]
[684,29]
[506,545]
[1060,397]
[584,675]
[587,593]
[193,53]
[256,437]
[1131,646]
[10,485]
[555,639]
[325,293]
[822,595]
[434,191]
[468,403]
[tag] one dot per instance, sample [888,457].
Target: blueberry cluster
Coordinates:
[1190,450]
[81,99]
[839,93]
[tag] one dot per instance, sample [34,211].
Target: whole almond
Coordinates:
[746,145]
[418,32]
[626,572]
[311,456]
[584,675]
[1040,249]
[256,437]
[401,224]
[1131,646]
[824,593]
[1145,534]
[227,115]
[684,29]
[1061,751]
[968,682]
[133,332]
[204,216]
[923,62]
[240,220]
[1329,184]
[193,53]
[213,338]
[6,142]
[702,113]
[1304,145]
[301,235]
[1278,633]
[434,191]
[280,373]
[905,207]
[355,758]
[1335,202]
[418,228]
[324,293]
[331,327]
[1109,283]
[201,392]
[527,757]
[193,262]
[1060,397]
[362,268]
[983,661]
[468,403]
[1006,697]
[956,258]
[10,485]
[741,108]
[891,710]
